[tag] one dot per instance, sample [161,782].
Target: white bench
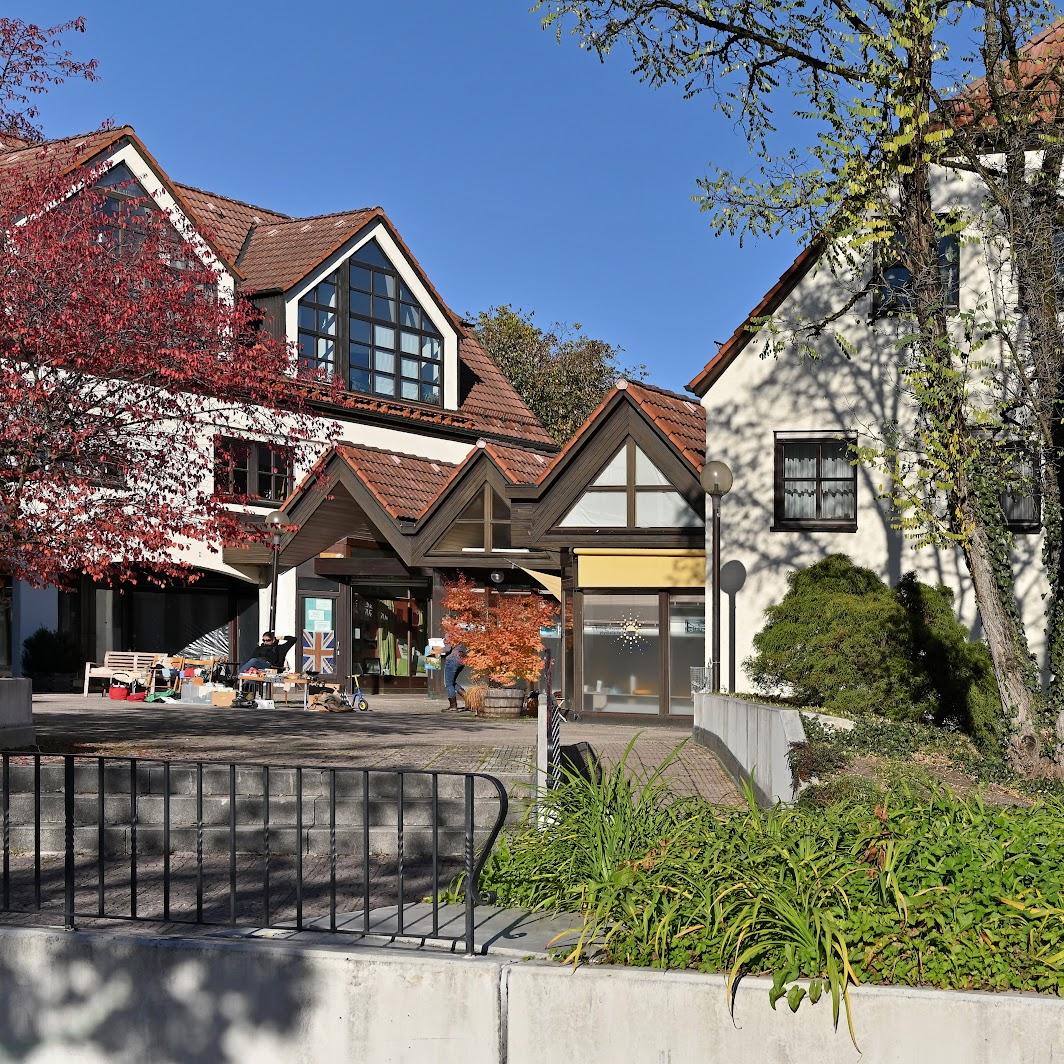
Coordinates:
[138,662]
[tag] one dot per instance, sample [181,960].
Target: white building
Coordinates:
[347,288]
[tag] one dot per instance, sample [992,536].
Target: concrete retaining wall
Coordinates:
[752,740]
[100,996]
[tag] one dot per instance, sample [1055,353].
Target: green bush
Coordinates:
[50,652]
[921,888]
[845,641]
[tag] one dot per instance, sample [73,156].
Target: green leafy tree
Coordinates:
[843,640]
[561,373]
[895,100]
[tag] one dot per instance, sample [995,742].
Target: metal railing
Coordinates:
[251,845]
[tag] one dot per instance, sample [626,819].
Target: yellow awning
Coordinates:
[549,581]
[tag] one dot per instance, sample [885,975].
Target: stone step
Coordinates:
[383,841]
[250,811]
[150,778]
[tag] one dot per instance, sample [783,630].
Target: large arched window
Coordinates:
[390,346]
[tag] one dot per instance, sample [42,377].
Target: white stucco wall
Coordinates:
[764,392]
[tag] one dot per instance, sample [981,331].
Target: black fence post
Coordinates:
[470,887]
[68,841]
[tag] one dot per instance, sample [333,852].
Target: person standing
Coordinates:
[453,666]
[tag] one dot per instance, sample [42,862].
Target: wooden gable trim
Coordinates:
[540,513]
[432,527]
[337,473]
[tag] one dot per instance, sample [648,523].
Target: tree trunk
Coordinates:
[1008,649]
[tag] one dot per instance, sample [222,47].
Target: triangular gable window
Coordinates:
[631,492]
[484,525]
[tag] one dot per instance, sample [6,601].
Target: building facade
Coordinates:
[347,289]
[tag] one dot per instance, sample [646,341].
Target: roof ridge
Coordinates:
[232,199]
[346,444]
[663,391]
[73,136]
[332,214]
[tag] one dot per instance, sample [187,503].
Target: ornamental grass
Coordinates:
[919,888]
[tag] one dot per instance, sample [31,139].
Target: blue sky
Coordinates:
[519,170]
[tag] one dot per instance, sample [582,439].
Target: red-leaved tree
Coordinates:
[500,630]
[123,354]
[33,59]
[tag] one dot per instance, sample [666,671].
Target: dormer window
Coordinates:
[894,291]
[482,526]
[390,346]
[631,492]
[395,349]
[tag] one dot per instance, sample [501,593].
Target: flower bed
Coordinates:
[923,889]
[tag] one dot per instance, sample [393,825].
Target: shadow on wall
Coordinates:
[81,995]
[796,392]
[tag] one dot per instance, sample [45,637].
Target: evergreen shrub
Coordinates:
[843,640]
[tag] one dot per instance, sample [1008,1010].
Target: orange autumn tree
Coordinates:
[500,631]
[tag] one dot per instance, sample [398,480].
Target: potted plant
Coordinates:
[52,660]
[500,633]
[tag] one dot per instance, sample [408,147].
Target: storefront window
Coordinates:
[622,654]
[687,640]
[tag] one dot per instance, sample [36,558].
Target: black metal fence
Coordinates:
[361,851]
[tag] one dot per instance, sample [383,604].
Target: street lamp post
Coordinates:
[717,482]
[274,521]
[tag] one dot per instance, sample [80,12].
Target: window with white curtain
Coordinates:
[816,482]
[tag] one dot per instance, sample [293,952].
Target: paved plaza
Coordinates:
[397,732]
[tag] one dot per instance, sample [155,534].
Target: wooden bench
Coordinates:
[138,662]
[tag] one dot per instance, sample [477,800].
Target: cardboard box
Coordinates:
[223,698]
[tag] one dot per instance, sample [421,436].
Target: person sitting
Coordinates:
[269,654]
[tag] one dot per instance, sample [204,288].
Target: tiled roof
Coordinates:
[493,399]
[230,220]
[403,484]
[270,251]
[1039,68]
[282,252]
[407,485]
[681,420]
[518,465]
[66,153]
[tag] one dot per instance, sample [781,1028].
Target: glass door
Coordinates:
[389,637]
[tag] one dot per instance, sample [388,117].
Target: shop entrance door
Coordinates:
[389,638]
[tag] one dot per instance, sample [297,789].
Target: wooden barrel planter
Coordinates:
[503,702]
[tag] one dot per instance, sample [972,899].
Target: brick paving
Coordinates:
[397,732]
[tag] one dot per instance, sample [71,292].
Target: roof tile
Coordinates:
[403,484]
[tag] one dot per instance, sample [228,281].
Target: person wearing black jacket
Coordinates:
[270,653]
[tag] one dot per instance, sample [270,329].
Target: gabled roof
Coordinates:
[268,251]
[66,153]
[1040,68]
[281,252]
[408,486]
[679,419]
[1042,56]
[770,303]
[405,485]
[230,220]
